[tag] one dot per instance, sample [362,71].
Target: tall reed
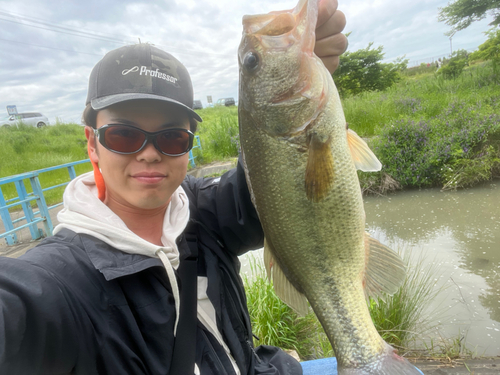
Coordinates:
[400,319]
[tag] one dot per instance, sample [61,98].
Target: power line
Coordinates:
[44,22]
[37,45]
[86,34]
[75,33]
[95,54]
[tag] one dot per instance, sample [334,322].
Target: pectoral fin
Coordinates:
[385,270]
[319,170]
[364,158]
[282,286]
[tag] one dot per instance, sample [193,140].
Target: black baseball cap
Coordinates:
[140,71]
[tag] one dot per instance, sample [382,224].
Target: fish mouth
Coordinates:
[269,24]
[267,27]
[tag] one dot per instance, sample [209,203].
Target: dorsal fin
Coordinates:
[282,286]
[385,270]
[364,158]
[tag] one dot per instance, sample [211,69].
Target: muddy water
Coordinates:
[458,233]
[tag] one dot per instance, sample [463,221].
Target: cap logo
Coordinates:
[127,71]
[143,70]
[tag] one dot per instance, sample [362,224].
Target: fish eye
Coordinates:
[251,61]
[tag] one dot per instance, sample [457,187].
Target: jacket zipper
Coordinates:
[233,304]
[237,312]
[220,367]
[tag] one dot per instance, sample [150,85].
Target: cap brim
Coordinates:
[101,103]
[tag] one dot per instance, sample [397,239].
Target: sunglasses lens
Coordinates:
[173,142]
[124,139]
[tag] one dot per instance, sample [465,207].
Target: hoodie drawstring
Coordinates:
[173,283]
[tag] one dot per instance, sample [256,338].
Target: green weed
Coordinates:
[274,323]
[219,134]
[399,318]
[402,317]
[25,149]
[450,348]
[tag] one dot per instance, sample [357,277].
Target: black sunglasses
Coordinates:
[126,139]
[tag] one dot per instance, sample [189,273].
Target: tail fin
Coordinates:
[389,363]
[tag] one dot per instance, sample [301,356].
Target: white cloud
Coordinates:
[47,71]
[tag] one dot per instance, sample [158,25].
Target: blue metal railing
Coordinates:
[24,200]
[197,144]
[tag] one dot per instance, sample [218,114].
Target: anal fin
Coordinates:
[385,270]
[282,286]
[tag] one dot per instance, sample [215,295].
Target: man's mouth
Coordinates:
[149,177]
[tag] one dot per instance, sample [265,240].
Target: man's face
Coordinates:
[148,178]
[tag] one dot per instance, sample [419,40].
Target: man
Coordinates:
[141,276]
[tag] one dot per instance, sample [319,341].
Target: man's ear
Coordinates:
[91,144]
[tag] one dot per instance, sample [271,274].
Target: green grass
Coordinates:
[274,323]
[25,149]
[421,98]
[218,133]
[400,319]
[430,131]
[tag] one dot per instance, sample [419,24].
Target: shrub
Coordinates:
[430,152]
[455,66]
[362,71]
[489,50]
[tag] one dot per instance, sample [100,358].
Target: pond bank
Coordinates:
[486,366]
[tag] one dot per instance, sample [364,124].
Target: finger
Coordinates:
[325,10]
[334,45]
[334,25]
[331,63]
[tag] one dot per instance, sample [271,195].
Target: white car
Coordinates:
[28,118]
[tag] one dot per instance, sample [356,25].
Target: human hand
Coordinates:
[330,43]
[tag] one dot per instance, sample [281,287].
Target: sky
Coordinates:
[48,48]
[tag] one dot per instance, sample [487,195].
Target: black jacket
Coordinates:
[73,304]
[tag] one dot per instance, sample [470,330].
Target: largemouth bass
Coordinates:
[300,162]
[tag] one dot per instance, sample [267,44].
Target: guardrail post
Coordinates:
[28,211]
[42,205]
[191,156]
[7,221]
[71,171]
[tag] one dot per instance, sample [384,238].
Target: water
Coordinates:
[458,233]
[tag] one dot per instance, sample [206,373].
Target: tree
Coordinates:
[461,13]
[489,50]
[455,65]
[362,71]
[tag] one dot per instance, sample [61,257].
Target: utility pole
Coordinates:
[451,46]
